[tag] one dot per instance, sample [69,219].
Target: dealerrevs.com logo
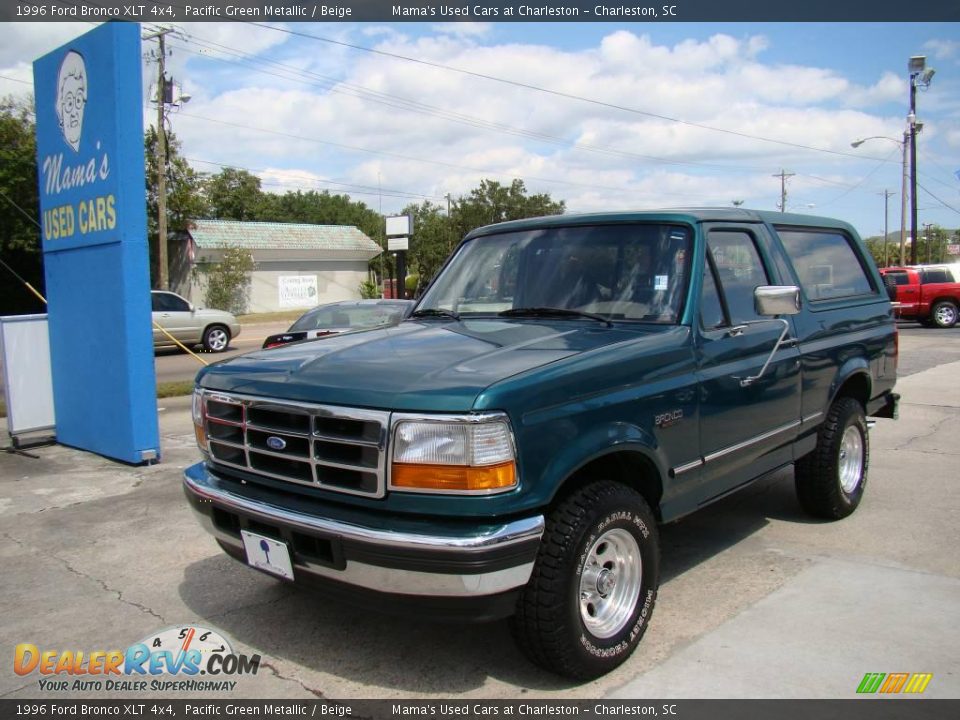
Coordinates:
[172,660]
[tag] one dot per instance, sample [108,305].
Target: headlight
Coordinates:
[467,454]
[198,429]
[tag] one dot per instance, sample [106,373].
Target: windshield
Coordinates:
[345,317]
[618,272]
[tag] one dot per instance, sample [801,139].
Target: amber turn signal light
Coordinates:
[454,478]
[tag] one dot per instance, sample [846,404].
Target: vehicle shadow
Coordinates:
[723,524]
[414,656]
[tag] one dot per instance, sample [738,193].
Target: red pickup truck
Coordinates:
[929,294]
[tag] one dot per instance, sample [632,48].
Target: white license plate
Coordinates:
[267,554]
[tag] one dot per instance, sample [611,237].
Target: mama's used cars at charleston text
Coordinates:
[564,385]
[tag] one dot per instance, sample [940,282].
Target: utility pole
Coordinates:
[451,237]
[913,170]
[903,200]
[920,74]
[927,239]
[162,257]
[886,216]
[783,175]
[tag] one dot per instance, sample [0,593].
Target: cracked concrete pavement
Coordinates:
[756,600]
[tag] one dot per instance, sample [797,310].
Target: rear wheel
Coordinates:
[216,338]
[830,480]
[944,314]
[594,585]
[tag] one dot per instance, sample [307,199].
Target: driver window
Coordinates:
[739,272]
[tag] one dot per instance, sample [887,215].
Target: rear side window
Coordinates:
[165,302]
[826,262]
[936,275]
[899,278]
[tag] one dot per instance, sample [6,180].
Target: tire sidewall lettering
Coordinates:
[632,521]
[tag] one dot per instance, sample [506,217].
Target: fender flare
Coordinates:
[851,368]
[600,442]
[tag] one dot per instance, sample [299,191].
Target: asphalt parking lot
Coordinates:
[756,600]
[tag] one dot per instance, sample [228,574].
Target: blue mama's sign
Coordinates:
[94,231]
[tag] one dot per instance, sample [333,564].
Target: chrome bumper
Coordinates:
[462,565]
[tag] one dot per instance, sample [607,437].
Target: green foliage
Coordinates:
[228,281]
[18,176]
[435,234]
[318,208]
[19,208]
[492,202]
[234,194]
[185,199]
[411,282]
[369,290]
[931,247]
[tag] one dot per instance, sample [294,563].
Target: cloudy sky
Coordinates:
[604,116]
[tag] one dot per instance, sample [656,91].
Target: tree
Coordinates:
[492,202]
[185,199]
[234,194]
[432,240]
[228,281]
[20,245]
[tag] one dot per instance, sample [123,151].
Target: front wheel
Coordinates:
[830,480]
[216,338]
[594,584]
[944,314]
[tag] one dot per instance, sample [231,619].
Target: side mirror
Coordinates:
[192,308]
[770,300]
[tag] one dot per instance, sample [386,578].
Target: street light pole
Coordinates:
[903,184]
[919,74]
[886,222]
[903,203]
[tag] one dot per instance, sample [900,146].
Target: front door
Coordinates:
[745,429]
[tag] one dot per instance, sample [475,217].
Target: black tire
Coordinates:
[943,314]
[823,488]
[216,338]
[549,623]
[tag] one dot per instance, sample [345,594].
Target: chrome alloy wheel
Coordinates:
[850,462]
[946,315]
[217,339]
[610,583]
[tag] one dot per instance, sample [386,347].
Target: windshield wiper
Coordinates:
[553,312]
[435,312]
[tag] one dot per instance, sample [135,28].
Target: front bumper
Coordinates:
[473,569]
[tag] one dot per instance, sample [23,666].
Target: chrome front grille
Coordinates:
[334,448]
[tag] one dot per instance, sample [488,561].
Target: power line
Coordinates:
[399,156]
[362,189]
[949,207]
[548,91]
[23,82]
[350,90]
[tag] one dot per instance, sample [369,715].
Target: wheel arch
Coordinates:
[853,381]
[632,466]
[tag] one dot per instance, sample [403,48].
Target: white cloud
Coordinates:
[452,129]
[943,49]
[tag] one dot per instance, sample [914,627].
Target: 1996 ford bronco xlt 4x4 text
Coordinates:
[564,385]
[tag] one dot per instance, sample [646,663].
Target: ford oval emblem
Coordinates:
[275,443]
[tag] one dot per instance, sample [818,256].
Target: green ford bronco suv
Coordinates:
[563,386]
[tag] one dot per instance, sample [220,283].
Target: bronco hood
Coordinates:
[430,365]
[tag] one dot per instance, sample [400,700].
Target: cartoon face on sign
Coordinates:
[71,97]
